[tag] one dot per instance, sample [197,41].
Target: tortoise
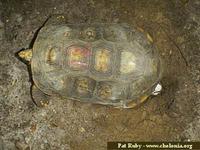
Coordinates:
[111,64]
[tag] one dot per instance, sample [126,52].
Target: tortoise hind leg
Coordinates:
[40,99]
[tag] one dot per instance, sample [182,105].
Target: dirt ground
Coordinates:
[67,125]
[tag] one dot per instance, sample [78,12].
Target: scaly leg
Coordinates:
[40,99]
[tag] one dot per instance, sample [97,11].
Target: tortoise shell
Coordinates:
[111,64]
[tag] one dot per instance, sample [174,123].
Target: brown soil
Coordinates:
[171,116]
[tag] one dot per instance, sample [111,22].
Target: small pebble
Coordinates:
[82,129]
[19,17]
[22,146]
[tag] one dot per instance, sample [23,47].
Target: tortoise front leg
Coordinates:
[40,99]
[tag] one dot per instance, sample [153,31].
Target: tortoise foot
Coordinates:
[40,99]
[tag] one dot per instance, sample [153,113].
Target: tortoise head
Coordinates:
[25,54]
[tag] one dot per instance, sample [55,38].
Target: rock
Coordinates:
[19,18]
[22,146]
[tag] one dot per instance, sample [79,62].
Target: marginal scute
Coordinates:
[111,91]
[149,38]
[104,91]
[89,34]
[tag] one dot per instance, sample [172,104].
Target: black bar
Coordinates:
[153,145]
